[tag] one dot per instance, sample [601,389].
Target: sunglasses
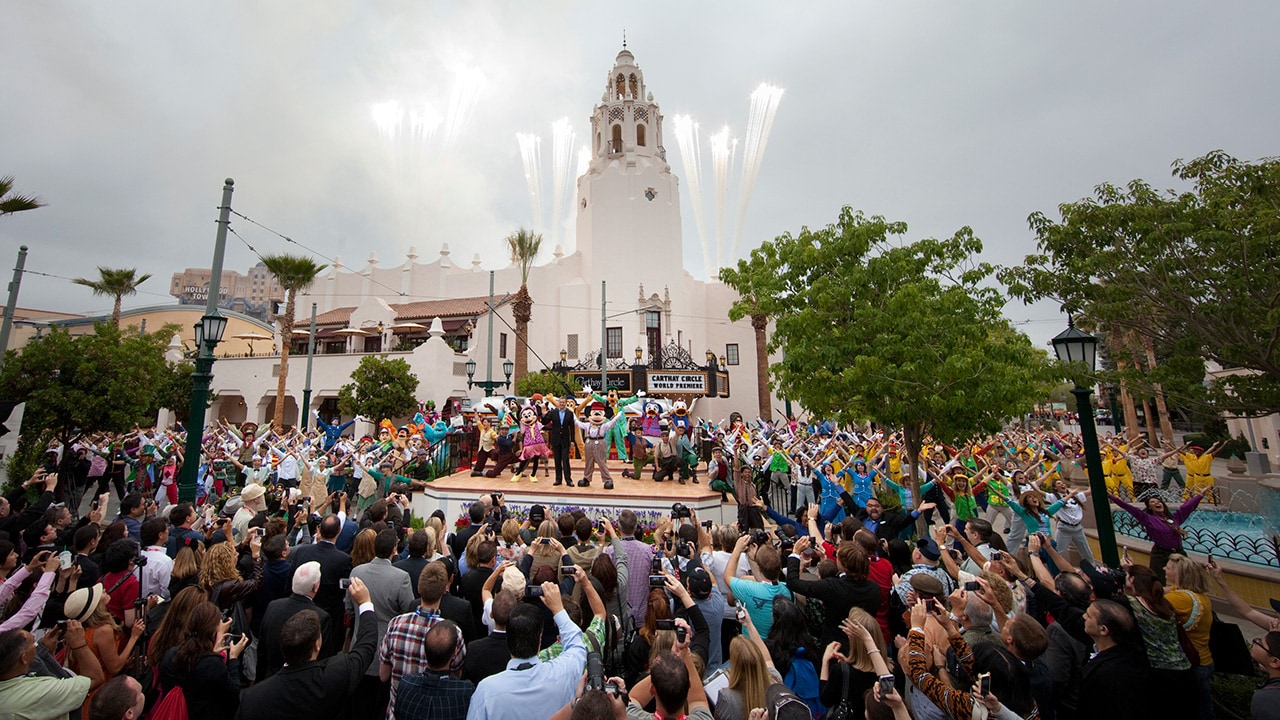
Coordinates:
[1258,641]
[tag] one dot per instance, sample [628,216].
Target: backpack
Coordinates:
[802,678]
[173,706]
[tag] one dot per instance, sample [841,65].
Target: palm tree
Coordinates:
[10,203]
[759,323]
[294,273]
[115,283]
[524,246]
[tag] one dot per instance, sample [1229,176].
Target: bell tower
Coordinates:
[628,226]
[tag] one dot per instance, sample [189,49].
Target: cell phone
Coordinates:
[886,685]
[231,638]
[742,615]
[997,556]
[706,524]
[972,586]
[569,570]
[930,606]
[94,505]
[657,581]
[666,625]
[344,583]
[544,541]
[532,591]
[984,684]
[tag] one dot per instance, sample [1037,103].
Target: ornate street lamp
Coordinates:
[1079,348]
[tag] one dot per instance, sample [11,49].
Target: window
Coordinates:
[640,135]
[615,145]
[731,354]
[571,346]
[613,342]
[652,319]
[502,345]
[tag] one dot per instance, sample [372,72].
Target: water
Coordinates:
[1249,525]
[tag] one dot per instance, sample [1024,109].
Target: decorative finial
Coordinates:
[624,38]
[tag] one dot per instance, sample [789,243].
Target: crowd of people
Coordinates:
[300,584]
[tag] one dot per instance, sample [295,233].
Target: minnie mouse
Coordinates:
[533,444]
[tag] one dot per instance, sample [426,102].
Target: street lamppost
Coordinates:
[489,386]
[208,334]
[1080,348]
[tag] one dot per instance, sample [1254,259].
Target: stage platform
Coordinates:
[455,493]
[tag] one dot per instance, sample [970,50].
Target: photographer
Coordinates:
[757,594]
[673,685]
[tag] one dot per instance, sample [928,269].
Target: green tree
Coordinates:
[544,382]
[906,335]
[114,283]
[380,388]
[294,273]
[523,246]
[1181,276]
[103,381]
[11,202]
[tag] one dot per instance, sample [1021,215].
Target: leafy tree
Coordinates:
[104,381]
[545,383]
[380,388]
[11,202]
[524,246]
[906,335]
[294,273]
[1185,275]
[114,283]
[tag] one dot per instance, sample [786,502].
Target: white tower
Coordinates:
[628,201]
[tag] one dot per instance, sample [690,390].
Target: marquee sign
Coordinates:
[618,380]
[670,381]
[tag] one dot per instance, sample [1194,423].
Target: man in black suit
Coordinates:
[558,422]
[489,655]
[449,606]
[472,584]
[335,565]
[306,581]
[1116,681]
[885,524]
[309,688]
[417,559]
[848,589]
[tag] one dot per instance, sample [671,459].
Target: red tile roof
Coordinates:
[421,310]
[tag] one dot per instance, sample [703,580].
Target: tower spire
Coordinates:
[624,37]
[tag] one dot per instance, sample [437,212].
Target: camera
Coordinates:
[680,511]
[140,561]
[544,541]
[785,542]
[685,549]
[657,581]
[997,556]
[760,537]
[886,685]
[680,632]
[568,570]
[706,524]
[595,671]
[972,586]
[344,583]
[532,591]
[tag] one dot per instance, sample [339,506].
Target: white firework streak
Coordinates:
[691,157]
[723,149]
[562,138]
[531,155]
[764,106]
[467,85]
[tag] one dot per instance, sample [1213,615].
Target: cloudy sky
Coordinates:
[125,117]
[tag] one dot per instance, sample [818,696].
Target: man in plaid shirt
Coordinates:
[639,557]
[403,650]
[436,693]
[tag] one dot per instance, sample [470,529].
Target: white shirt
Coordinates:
[288,469]
[156,573]
[1072,511]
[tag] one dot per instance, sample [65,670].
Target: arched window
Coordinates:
[640,135]
[635,86]
[620,84]
[616,144]
[597,142]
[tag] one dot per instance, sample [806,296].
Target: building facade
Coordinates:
[250,294]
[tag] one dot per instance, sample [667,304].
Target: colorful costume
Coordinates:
[1199,474]
[617,431]
[533,446]
[596,444]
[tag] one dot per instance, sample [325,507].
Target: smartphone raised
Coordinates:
[886,685]
[984,684]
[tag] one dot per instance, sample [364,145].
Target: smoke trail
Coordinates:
[691,159]
[531,154]
[723,149]
[562,138]
[764,106]
[467,84]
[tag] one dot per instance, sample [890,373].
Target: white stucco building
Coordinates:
[628,238]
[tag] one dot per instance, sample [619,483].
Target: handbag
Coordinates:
[1229,649]
[240,626]
[842,711]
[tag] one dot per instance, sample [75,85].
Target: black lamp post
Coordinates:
[1080,348]
[489,386]
[208,334]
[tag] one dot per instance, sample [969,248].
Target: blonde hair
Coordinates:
[510,531]
[858,655]
[546,529]
[102,617]
[1000,588]
[362,549]
[748,671]
[219,565]
[1191,574]
[188,562]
